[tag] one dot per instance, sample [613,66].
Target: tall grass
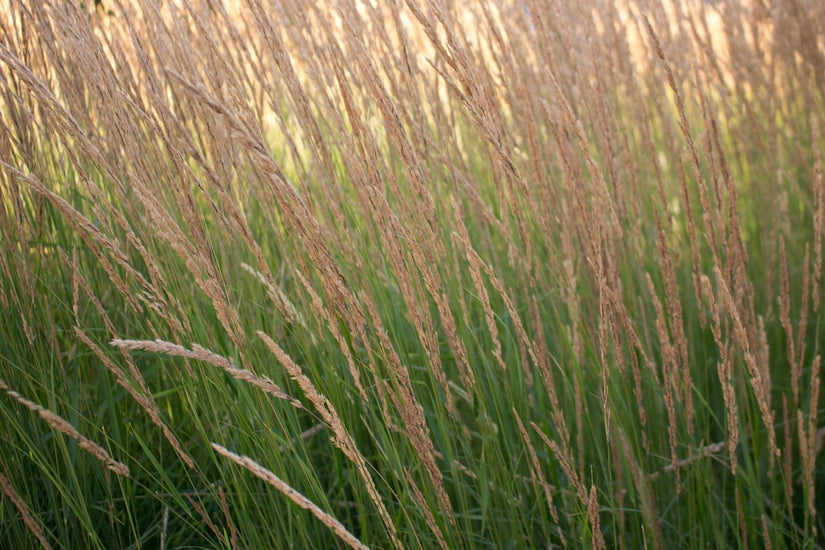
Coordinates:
[418,274]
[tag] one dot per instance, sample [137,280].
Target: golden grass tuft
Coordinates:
[67,429]
[202,354]
[293,495]
[341,437]
[28,518]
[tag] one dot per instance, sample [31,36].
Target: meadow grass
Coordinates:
[418,274]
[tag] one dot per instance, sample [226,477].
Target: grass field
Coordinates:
[411,274]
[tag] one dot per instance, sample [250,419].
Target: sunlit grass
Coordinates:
[414,274]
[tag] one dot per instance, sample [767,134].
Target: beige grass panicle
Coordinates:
[259,471]
[67,429]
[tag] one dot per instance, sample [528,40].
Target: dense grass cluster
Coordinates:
[411,274]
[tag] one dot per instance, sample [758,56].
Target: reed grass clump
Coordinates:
[418,274]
